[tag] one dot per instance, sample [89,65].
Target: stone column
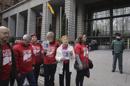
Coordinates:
[4,22]
[46,21]
[58,26]
[12,25]
[80,19]
[70,15]
[20,25]
[31,22]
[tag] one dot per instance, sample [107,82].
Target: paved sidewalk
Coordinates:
[101,75]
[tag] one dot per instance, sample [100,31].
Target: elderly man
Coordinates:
[24,61]
[50,46]
[6,57]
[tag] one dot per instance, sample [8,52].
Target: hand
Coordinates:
[63,59]
[33,67]
[19,74]
[71,53]
[45,50]
[80,67]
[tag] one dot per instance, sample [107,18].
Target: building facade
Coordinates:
[23,17]
[4,4]
[98,19]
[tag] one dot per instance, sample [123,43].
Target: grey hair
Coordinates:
[50,33]
[26,37]
[3,27]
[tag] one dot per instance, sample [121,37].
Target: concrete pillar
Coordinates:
[31,22]
[128,43]
[46,21]
[80,19]
[70,11]
[19,25]
[58,26]
[12,25]
[5,22]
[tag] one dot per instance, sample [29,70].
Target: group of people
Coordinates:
[23,59]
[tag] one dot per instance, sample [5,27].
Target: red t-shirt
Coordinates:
[24,58]
[7,62]
[82,51]
[49,58]
[38,52]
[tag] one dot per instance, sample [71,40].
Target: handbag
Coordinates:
[84,70]
[76,65]
[79,65]
[90,63]
[87,70]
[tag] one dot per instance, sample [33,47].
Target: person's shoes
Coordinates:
[121,72]
[113,70]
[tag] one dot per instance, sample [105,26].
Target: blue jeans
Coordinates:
[30,77]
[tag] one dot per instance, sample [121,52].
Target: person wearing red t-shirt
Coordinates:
[38,55]
[24,61]
[6,54]
[50,46]
[81,51]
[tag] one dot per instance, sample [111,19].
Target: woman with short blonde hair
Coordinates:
[65,57]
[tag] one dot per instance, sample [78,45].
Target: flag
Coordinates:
[50,8]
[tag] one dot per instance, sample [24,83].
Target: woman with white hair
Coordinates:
[65,56]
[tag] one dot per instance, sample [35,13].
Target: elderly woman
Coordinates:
[65,56]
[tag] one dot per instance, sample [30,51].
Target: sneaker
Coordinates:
[113,70]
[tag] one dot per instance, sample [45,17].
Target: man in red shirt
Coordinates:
[38,55]
[5,57]
[50,46]
[24,61]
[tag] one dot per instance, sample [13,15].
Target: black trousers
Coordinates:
[36,72]
[12,77]
[67,75]
[80,77]
[49,72]
[12,81]
[4,82]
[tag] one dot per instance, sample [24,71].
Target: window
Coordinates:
[101,14]
[121,25]
[101,27]
[121,11]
